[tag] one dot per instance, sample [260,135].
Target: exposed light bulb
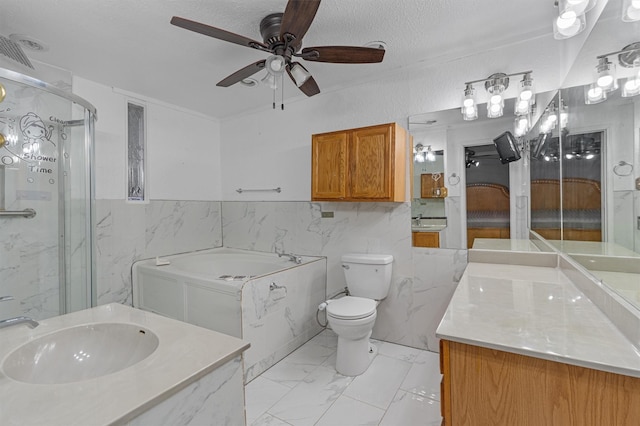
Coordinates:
[526,94]
[495,99]
[468,102]
[632,13]
[568,24]
[605,80]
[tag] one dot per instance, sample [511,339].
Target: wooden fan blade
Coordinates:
[215,32]
[309,87]
[343,54]
[241,74]
[297,18]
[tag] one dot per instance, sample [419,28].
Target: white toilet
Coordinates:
[352,317]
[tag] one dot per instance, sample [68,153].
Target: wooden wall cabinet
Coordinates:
[426,239]
[482,387]
[432,188]
[364,164]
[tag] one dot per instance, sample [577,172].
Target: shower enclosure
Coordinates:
[46,149]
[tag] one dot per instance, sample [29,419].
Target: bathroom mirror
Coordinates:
[591,163]
[447,131]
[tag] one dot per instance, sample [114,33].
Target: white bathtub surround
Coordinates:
[266,300]
[186,359]
[279,314]
[127,232]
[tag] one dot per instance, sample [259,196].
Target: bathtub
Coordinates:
[266,300]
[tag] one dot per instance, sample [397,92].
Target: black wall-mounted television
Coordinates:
[539,145]
[506,147]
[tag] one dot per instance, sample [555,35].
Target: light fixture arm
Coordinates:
[503,76]
[636,49]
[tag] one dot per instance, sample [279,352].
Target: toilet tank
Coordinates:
[368,275]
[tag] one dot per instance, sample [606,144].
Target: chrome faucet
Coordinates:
[17,320]
[292,257]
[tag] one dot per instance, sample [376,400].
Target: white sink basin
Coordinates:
[80,353]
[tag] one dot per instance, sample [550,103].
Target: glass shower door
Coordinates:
[45,249]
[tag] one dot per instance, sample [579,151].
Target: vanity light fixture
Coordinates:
[563,113]
[521,125]
[631,10]
[605,75]
[571,19]
[606,79]
[423,153]
[549,119]
[496,86]
[526,96]
[469,104]
[593,94]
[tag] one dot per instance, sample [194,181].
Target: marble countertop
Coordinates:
[593,247]
[535,311]
[428,228]
[185,354]
[504,244]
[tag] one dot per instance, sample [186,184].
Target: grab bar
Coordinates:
[240,190]
[28,213]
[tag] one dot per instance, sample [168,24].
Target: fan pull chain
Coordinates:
[282,92]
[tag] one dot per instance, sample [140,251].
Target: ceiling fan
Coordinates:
[282,35]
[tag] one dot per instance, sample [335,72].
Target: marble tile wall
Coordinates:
[411,312]
[422,281]
[126,232]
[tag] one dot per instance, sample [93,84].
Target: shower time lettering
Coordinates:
[37,168]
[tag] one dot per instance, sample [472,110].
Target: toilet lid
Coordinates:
[351,307]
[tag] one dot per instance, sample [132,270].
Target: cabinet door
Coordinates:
[371,157]
[329,166]
[426,239]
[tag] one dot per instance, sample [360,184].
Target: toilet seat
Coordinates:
[351,308]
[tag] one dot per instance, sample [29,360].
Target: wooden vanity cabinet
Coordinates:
[482,386]
[364,164]
[425,239]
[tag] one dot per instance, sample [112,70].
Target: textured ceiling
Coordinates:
[131,45]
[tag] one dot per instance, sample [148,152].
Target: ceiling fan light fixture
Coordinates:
[269,80]
[249,82]
[379,44]
[275,64]
[299,74]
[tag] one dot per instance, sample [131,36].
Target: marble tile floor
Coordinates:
[401,387]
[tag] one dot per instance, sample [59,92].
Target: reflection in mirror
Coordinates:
[428,192]
[487,193]
[595,155]
[446,130]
